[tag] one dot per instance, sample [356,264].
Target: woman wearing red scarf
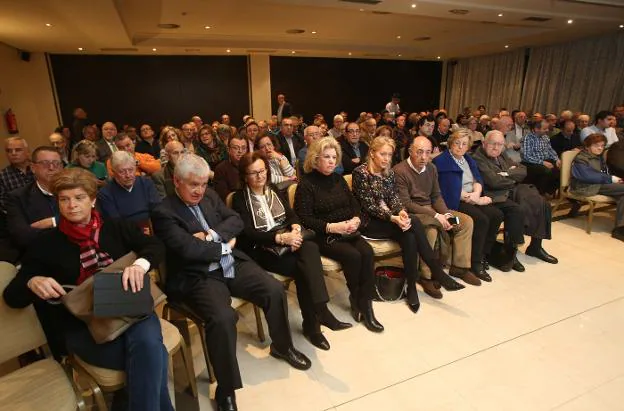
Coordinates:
[71,253]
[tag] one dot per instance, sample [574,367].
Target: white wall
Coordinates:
[25,87]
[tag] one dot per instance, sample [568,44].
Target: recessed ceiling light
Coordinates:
[207,27]
[153,49]
[438,57]
[350,53]
[293,52]
[398,37]
[48,25]
[622,26]
[361,9]
[228,51]
[80,49]
[314,32]
[500,14]
[570,21]
[168,26]
[414,6]
[506,46]
[399,55]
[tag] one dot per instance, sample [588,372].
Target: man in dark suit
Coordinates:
[290,143]
[32,208]
[354,152]
[204,270]
[284,109]
[106,145]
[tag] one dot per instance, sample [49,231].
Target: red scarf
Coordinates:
[87,237]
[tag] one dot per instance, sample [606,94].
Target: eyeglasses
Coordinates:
[257,173]
[48,163]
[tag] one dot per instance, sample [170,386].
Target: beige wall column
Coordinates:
[260,86]
[25,87]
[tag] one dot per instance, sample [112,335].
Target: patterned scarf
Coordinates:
[87,237]
[260,220]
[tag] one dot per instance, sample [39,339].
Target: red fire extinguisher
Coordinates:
[11,122]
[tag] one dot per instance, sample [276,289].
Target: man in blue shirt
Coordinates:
[541,160]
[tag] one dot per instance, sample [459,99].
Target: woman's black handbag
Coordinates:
[280,250]
[389,283]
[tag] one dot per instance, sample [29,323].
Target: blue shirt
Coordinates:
[537,149]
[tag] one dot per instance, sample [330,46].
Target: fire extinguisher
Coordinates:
[11,122]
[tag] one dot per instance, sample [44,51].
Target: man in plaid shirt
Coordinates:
[17,174]
[540,158]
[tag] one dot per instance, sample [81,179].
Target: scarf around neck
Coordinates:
[260,221]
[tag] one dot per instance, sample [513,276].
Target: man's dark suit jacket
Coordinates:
[298,143]
[25,206]
[348,154]
[188,257]
[103,151]
[286,111]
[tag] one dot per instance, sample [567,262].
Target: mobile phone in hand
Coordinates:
[453,220]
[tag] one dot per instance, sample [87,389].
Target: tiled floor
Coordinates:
[549,338]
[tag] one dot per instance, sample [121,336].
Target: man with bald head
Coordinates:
[61,143]
[513,144]
[526,212]
[419,190]
[106,145]
[163,179]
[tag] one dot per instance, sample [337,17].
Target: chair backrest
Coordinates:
[566,168]
[20,327]
[348,178]
[292,189]
[228,200]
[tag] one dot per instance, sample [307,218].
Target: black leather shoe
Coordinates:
[355,311]
[412,299]
[517,266]
[480,272]
[227,403]
[368,317]
[293,357]
[486,264]
[449,284]
[317,339]
[431,288]
[328,320]
[541,254]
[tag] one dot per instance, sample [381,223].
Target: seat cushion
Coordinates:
[237,303]
[383,247]
[42,385]
[330,265]
[599,198]
[171,335]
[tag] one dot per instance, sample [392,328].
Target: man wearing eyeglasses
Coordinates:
[290,142]
[226,175]
[526,212]
[354,152]
[32,209]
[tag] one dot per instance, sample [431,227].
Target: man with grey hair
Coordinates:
[106,145]
[163,179]
[525,210]
[204,271]
[128,196]
[336,131]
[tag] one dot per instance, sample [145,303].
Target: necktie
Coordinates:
[227,261]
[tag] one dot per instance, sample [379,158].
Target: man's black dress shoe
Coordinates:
[317,339]
[541,254]
[479,270]
[517,266]
[227,403]
[293,357]
[486,264]
[334,324]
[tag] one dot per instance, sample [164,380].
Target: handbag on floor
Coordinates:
[80,301]
[390,283]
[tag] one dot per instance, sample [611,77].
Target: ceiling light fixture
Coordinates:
[506,46]
[48,25]
[438,57]
[500,14]
[153,49]
[314,32]
[398,37]
[622,26]
[207,27]
[293,52]
[414,5]
[80,49]
[361,9]
[570,21]
[228,51]
[399,55]
[350,53]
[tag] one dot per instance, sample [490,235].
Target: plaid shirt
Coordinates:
[12,178]
[537,149]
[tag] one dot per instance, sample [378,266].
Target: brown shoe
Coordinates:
[430,289]
[465,275]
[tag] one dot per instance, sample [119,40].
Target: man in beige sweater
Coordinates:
[419,191]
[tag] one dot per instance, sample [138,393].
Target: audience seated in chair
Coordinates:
[289,142]
[106,145]
[148,144]
[419,191]
[590,176]
[462,188]
[603,124]
[84,155]
[128,196]
[145,163]
[282,173]
[540,159]
[567,139]
[338,126]
[615,159]
[525,210]
[270,223]
[368,127]
[167,134]
[385,217]
[210,147]
[226,175]
[58,141]
[204,270]
[325,204]
[354,151]
[86,243]
[163,179]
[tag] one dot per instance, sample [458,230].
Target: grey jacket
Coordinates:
[498,186]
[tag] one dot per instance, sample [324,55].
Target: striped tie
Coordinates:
[227,261]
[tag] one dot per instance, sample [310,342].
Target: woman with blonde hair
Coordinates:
[325,204]
[84,155]
[384,216]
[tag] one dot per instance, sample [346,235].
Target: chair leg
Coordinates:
[202,337]
[187,358]
[98,395]
[259,326]
[590,217]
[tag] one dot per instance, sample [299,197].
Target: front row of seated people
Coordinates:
[215,252]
